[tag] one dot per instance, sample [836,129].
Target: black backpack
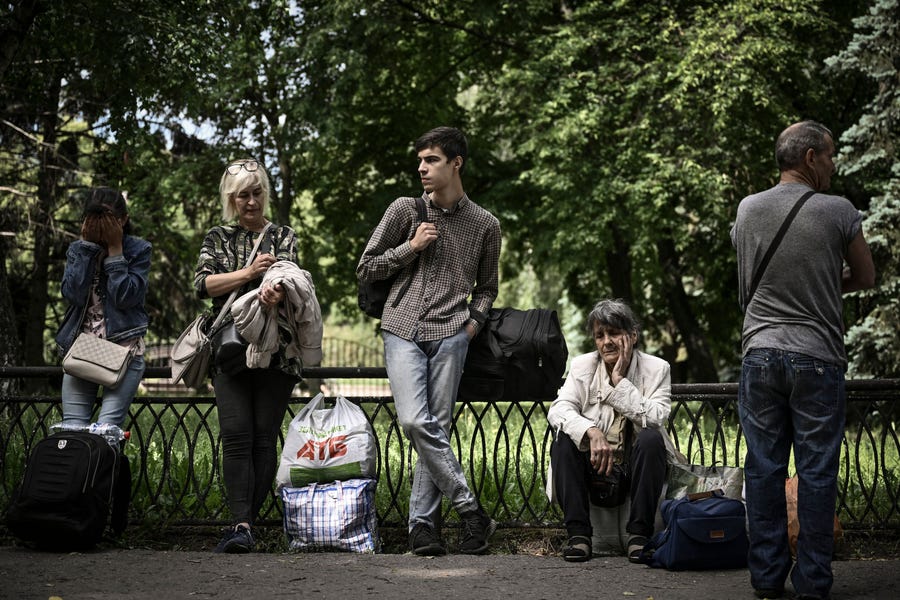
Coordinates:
[372,295]
[518,354]
[73,481]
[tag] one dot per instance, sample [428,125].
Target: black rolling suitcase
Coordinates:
[73,481]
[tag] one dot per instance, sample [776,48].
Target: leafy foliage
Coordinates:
[869,149]
[612,139]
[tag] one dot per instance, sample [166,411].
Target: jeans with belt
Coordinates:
[424,379]
[786,400]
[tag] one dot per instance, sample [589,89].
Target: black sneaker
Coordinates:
[425,541]
[477,527]
[237,540]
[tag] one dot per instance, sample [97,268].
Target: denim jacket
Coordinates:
[123,287]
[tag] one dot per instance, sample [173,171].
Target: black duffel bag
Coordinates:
[517,354]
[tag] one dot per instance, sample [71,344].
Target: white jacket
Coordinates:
[588,399]
[300,311]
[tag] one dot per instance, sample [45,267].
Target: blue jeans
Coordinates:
[424,380]
[791,400]
[79,397]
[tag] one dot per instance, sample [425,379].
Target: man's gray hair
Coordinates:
[793,142]
[613,313]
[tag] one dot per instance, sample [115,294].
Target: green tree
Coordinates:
[869,151]
[81,79]
[612,139]
[639,127]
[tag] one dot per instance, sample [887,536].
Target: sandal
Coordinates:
[577,549]
[635,547]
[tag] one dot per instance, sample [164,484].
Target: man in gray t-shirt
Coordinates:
[792,378]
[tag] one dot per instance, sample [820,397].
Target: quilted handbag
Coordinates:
[339,515]
[703,531]
[98,360]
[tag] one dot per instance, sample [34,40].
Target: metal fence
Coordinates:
[174,450]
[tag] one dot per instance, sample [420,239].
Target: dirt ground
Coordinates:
[137,574]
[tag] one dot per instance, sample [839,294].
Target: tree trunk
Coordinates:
[42,219]
[9,339]
[618,265]
[284,204]
[18,23]
[700,367]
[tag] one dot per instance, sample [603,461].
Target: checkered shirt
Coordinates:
[463,261]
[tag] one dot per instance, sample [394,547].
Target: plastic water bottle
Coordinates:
[113,433]
[68,427]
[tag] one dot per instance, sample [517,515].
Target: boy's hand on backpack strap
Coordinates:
[426,233]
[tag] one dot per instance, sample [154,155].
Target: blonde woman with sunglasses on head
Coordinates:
[252,402]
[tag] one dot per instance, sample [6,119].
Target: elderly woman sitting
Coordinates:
[611,412]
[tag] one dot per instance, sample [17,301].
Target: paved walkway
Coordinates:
[149,574]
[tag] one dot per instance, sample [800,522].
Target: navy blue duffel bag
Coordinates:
[703,531]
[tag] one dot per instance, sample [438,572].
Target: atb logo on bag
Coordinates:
[61,444]
[333,447]
[327,444]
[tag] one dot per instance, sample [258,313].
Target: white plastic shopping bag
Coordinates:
[327,444]
[684,479]
[340,515]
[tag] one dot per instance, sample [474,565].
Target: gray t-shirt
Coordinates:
[797,306]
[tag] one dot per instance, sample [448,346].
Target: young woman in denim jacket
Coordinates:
[105,284]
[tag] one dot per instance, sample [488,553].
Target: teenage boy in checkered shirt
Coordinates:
[448,267]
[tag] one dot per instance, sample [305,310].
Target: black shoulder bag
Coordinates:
[372,295]
[776,241]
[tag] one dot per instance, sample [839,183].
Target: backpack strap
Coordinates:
[776,241]
[422,212]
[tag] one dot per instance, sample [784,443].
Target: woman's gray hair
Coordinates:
[230,185]
[613,313]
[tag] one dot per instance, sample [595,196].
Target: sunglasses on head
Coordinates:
[247,165]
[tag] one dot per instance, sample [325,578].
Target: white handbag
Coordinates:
[98,360]
[192,351]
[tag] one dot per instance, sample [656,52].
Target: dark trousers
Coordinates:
[251,408]
[572,476]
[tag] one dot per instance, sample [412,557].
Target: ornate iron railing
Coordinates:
[175,454]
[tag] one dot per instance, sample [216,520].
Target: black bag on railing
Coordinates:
[518,354]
